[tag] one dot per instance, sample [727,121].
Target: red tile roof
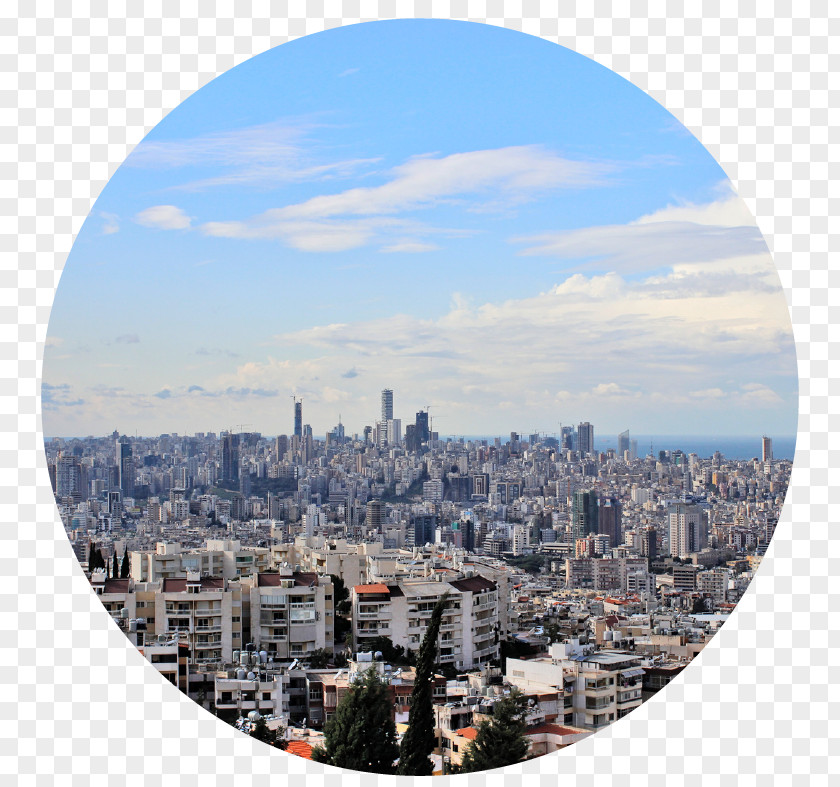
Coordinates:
[378,588]
[467,732]
[300,749]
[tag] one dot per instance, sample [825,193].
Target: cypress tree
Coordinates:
[361,735]
[125,568]
[419,740]
[115,570]
[500,741]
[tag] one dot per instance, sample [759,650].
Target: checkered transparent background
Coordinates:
[81,85]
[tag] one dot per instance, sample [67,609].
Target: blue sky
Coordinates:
[476,218]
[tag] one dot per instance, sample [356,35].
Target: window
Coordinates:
[235,619]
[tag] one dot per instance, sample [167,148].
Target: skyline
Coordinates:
[574,248]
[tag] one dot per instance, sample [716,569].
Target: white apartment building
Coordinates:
[402,610]
[603,685]
[687,530]
[292,612]
[207,611]
[218,558]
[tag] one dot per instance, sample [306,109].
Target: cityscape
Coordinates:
[419,397]
[269,577]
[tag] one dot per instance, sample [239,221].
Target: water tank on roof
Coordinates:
[243,658]
[235,656]
[254,715]
[240,674]
[251,676]
[377,655]
[608,636]
[264,656]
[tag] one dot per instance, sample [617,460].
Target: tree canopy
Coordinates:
[361,735]
[419,740]
[500,741]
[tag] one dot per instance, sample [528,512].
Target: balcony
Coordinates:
[214,627]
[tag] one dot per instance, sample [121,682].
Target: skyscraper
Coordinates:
[125,467]
[387,405]
[586,438]
[387,414]
[609,520]
[298,418]
[623,443]
[584,514]
[421,425]
[766,449]
[686,527]
[230,456]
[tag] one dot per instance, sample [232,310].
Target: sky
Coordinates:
[491,225]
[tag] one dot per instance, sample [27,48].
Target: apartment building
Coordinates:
[292,612]
[604,685]
[402,610]
[218,558]
[205,611]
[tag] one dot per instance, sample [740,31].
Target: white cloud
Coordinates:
[730,211]
[409,247]
[361,216]
[164,217]
[676,235]
[267,155]
[111,224]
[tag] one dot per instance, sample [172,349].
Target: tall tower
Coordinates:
[387,405]
[386,416]
[609,520]
[586,438]
[584,514]
[125,467]
[298,417]
[421,425]
[766,449]
[687,530]
[230,456]
[623,443]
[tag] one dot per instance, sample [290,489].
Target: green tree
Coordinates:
[393,654]
[261,732]
[419,740]
[115,570]
[319,659]
[125,568]
[500,741]
[341,595]
[361,735]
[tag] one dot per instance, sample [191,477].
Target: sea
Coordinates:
[740,447]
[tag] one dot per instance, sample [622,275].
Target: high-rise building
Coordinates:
[421,424]
[298,418]
[686,527]
[373,515]
[567,438]
[424,529]
[387,414]
[125,467]
[609,520]
[230,456]
[584,514]
[586,438]
[623,443]
[393,431]
[387,405]
[766,449]
[68,476]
